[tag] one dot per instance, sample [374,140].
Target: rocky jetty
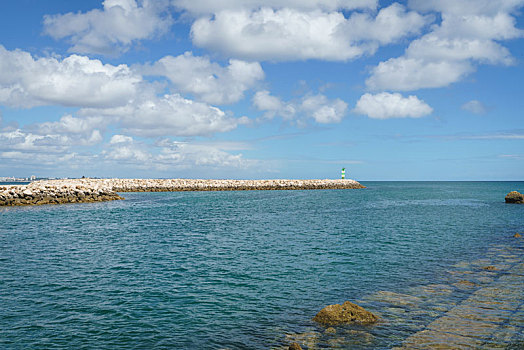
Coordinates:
[95,190]
[515,197]
[54,193]
[348,312]
[175,185]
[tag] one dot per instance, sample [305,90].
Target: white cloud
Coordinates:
[213,6]
[405,74]
[466,36]
[119,94]
[129,152]
[26,142]
[169,115]
[167,154]
[52,137]
[475,107]
[323,110]
[184,154]
[263,101]
[41,160]
[86,131]
[498,26]
[272,105]
[434,48]
[475,7]
[120,139]
[208,81]
[317,107]
[389,25]
[386,105]
[73,81]
[290,34]
[113,29]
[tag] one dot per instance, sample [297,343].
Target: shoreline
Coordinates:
[101,190]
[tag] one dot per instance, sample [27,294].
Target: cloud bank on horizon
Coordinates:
[264,89]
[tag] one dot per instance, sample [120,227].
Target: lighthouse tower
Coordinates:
[343,173]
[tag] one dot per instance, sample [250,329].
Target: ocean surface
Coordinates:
[4,183]
[250,269]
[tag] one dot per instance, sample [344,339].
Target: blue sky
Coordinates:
[408,90]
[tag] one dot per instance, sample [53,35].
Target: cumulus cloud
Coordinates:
[290,34]
[119,94]
[273,105]
[387,105]
[206,80]
[185,154]
[169,115]
[467,35]
[167,154]
[86,131]
[52,137]
[323,110]
[475,7]
[72,81]
[475,107]
[40,160]
[213,6]
[111,30]
[317,107]
[407,74]
[123,148]
[120,139]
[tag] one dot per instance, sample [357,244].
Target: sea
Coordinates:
[8,183]
[250,269]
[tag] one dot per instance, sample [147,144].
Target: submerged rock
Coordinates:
[345,313]
[490,268]
[330,330]
[464,284]
[397,299]
[517,235]
[295,346]
[515,197]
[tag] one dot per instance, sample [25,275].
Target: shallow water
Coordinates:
[249,269]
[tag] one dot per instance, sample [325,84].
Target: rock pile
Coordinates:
[37,193]
[94,190]
[515,197]
[346,313]
[173,185]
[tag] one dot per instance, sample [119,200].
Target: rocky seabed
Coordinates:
[97,190]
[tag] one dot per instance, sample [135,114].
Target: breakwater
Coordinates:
[96,190]
[44,192]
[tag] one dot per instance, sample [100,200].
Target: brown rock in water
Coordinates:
[345,313]
[330,330]
[517,235]
[515,197]
[464,284]
[295,346]
[490,268]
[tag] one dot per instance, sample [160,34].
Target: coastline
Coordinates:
[100,190]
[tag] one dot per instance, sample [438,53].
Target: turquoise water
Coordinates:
[240,270]
[4,183]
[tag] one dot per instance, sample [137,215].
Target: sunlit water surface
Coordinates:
[247,269]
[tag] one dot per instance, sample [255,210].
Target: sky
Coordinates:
[407,90]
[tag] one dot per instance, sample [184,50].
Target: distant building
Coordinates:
[32,178]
